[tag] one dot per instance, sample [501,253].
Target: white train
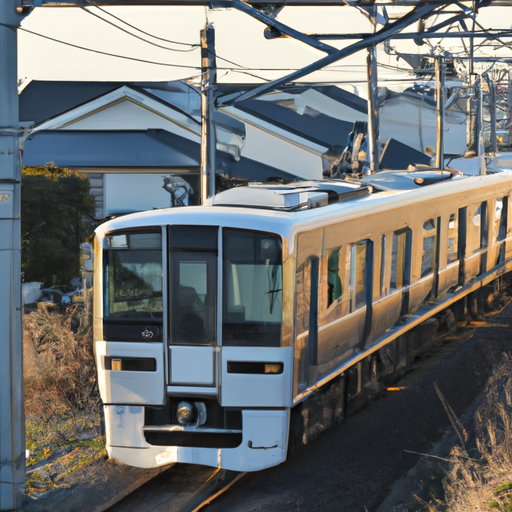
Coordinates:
[212,322]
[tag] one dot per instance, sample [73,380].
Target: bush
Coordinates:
[62,404]
[59,371]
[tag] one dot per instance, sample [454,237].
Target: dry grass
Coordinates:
[62,403]
[479,476]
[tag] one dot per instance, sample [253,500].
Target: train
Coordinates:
[213,323]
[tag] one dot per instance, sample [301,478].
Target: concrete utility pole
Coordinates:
[208,142]
[373,110]
[12,417]
[440,101]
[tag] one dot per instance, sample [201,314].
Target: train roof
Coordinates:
[282,208]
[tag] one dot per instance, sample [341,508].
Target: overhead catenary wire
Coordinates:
[100,52]
[90,2]
[192,45]
[191,49]
[245,70]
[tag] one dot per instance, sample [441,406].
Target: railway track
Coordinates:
[189,488]
[173,490]
[179,489]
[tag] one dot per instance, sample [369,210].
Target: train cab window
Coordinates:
[453,231]
[401,258]
[359,268]
[429,246]
[333,277]
[252,289]
[133,267]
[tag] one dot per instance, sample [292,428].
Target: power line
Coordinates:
[106,53]
[138,29]
[192,47]
[241,69]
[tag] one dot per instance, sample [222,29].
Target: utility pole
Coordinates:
[475,140]
[12,416]
[373,109]
[208,142]
[440,101]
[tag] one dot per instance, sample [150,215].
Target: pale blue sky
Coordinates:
[239,38]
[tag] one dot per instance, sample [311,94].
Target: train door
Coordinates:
[308,258]
[130,355]
[192,305]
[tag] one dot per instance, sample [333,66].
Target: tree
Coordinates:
[57,215]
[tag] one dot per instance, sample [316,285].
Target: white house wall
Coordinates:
[320,103]
[129,192]
[271,150]
[268,145]
[127,115]
[416,125]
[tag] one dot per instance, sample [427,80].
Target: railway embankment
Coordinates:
[379,459]
[357,461]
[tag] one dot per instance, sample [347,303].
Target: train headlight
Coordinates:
[186,413]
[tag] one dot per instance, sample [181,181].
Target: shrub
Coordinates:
[59,371]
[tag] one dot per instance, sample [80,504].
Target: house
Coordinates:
[128,138]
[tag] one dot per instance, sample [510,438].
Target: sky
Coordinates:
[167,48]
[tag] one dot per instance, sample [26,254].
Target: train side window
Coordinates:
[359,267]
[333,277]
[453,231]
[401,258]
[429,246]
[382,265]
[478,238]
[501,217]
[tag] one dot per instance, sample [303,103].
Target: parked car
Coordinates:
[54,296]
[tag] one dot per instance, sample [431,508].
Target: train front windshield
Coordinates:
[251,285]
[253,290]
[134,276]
